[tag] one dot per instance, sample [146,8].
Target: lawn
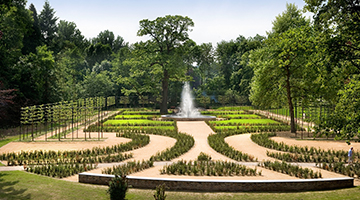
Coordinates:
[8,140]
[138,122]
[136,116]
[22,185]
[235,108]
[127,112]
[231,112]
[244,122]
[240,116]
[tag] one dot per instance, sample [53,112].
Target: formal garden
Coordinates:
[262,117]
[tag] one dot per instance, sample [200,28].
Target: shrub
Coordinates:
[203,157]
[118,187]
[160,192]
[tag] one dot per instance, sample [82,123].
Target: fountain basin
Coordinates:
[190,118]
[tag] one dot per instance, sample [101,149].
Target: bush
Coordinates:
[118,187]
[160,192]
[203,157]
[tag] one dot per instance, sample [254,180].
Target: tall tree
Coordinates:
[33,38]
[108,38]
[68,35]
[15,23]
[227,59]
[35,76]
[339,22]
[282,70]
[165,50]
[47,20]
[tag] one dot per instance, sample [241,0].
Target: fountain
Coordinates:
[187,110]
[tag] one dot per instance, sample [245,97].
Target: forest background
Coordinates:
[299,61]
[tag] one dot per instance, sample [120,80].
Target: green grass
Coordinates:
[235,108]
[141,112]
[22,185]
[138,122]
[240,116]
[135,116]
[244,122]
[231,112]
[151,127]
[7,140]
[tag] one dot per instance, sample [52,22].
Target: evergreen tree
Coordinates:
[47,20]
[34,38]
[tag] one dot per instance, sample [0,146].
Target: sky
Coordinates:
[215,20]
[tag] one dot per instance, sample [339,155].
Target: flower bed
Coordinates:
[139,122]
[149,117]
[93,155]
[128,168]
[140,112]
[183,144]
[352,170]
[291,170]
[208,168]
[248,122]
[241,116]
[60,171]
[222,112]
[299,154]
[216,141]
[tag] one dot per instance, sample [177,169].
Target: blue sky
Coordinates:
[214,20]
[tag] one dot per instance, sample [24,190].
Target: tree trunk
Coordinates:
[291,106]
[165,88]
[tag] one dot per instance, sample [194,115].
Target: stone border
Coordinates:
[214,185]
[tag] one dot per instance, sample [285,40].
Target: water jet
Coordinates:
[187,110]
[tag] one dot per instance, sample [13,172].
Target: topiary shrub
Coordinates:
[118,187]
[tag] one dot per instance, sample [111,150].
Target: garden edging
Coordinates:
[224,185]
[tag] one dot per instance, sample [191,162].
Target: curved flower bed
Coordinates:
[208,168]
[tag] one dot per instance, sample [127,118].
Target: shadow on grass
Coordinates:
[7,190]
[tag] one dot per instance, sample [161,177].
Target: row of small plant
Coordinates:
[289,169]
[244,122]
[217,142]
[208,168]
[296,157]
[222,112]
[184,143]
[352,170]
[265,141]
[235,108]
[60,171]
[141,112]
[138,140]
[251,129]
[139,122]
[124,117]
[94,128]
[240,116]
[128,168]
[77,160]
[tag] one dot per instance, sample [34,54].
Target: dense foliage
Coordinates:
[45,59]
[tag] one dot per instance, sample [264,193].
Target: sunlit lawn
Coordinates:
[23,185]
